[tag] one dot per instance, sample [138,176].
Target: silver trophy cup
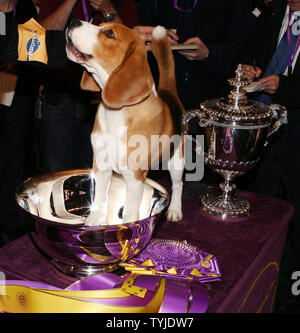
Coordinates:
[235,132]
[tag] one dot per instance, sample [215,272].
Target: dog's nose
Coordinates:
[75,23]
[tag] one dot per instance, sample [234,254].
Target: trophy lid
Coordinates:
[236,109]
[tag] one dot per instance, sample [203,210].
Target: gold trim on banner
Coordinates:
[272,263]
[21,299]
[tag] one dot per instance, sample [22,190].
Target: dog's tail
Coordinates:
[167,89]
[162,51]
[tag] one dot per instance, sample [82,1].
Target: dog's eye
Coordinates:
[109,34]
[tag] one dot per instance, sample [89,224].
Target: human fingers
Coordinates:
[258,72]
[100,3]
[270,83]
[145,32]
[96,4]
[200,53]
[173,37]
[249,72]
[9,67]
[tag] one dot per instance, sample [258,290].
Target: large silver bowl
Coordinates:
[60,202]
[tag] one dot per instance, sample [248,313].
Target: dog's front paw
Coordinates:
[96,218]
[174,214]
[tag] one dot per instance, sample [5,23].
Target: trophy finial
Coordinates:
[238,94]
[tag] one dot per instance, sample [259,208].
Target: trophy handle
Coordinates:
[203,122]
[278,114]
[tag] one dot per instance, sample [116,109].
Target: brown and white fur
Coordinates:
[116,62]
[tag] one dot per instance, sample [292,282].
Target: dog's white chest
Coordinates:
[109,144]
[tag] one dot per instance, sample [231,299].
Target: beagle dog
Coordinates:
[132,113]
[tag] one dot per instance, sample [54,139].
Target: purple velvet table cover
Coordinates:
[248,252]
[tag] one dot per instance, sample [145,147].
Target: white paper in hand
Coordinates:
[184,47]
[2,24]
[253,86]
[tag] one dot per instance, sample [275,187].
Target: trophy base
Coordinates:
[82,271]
[231,208]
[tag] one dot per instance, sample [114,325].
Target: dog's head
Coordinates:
[115,57]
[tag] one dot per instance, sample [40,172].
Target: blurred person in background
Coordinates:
[67,114]
[17,156]
[274,46]
[217,28]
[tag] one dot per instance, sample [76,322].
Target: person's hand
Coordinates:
[201,53]
[9,67]
[250,73]
[102,6]
[145,33]
[270,83]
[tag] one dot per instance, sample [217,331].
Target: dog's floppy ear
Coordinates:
[88,83]
[129,82]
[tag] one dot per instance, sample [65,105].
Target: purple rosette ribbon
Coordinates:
[176,259]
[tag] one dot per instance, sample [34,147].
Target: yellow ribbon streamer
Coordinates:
[22,299]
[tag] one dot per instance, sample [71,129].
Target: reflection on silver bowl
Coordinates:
[60,202]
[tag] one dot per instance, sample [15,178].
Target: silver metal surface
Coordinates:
[235,132]
[60,203]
